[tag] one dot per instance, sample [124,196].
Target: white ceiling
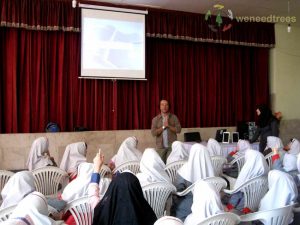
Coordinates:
[238,7]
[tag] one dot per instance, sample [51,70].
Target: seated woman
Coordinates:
[152,168]
[282,191]
[255,166]
[74,154]
[206,203]
[274,142]
[124,203]
[289,161]
[240,150]
[198,166]
[39,155]
[214,148]
[127,152]
[17,187]
[179,152]
[32,210]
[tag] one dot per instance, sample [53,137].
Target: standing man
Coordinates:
[165,127]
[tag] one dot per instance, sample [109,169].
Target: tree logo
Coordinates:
[216,23]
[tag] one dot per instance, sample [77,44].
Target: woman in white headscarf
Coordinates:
[39,155]
[17,187]
[240,150]
[168,220]
[274,142]
[32,210]
[289,161]
[214,148]
[198,166]
[74,154]
[255,166]
[282,191]
[79,186]
[152,168]
[127,152]
[206,203]
[179,152]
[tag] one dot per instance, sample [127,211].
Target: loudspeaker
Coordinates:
[243,130]
[235,136]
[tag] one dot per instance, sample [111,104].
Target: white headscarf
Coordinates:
[74,155]
[274,142]
[37,157]
[127,152]
[294,147]
[242,146]
[34,209]
[17,187]
[214,148]
[79,186]
[255,166]
[282,191]
[206,203]
[290,158]
[179,152]
[152,168]
[198,166]
[168,220]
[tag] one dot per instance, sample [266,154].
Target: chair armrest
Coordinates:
[250,217]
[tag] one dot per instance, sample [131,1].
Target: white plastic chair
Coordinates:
[47,180]
[172,168]
[254,189]
[157,195]
[218,163]
[4,177]
[240,161]
[81,210]
[133,166]
[104,171]
[280,216]
[217,181]
[167,220]
[269,159]
[225,218]
[5,213]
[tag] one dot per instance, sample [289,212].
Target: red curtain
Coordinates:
[207,84]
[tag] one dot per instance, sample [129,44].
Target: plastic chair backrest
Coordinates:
[104,171]
[81,210]
[133,166]
[269,159]
[219,182]
[4,177]
[254,189]
[47,180]
[240,161]
[279,216]
[225,218]
[218,163]
[172,168]
[5,213]
[157,195]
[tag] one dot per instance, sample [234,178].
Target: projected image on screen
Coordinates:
[113,47]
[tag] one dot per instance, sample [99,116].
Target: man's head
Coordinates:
[164,106]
